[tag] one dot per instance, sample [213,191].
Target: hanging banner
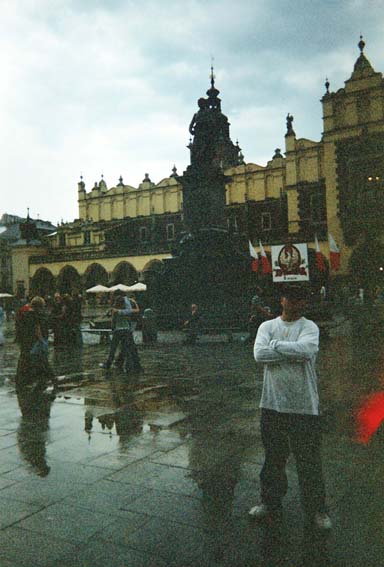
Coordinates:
[290,263]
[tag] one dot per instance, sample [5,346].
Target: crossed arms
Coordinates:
[276,351]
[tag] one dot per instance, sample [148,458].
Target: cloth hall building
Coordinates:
[309,188]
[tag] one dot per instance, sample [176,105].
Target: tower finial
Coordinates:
[212,74]
[326,85]
[361,44]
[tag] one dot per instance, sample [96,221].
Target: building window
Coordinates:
[143,234]
[20,288]
[266,221]
[87,237]
[317,207]
[62,240]
[170,231]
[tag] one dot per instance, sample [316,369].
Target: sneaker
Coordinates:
[260,511]
[322,521]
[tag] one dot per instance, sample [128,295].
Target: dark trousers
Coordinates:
[120,337]
[283,433]
[130,355]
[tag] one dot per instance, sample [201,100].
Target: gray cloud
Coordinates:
[99,86]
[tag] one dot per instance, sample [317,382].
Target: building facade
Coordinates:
[334,185]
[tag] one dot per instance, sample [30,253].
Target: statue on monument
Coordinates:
[198,117]
[289,124]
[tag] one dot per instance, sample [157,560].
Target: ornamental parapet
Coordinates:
[143,249]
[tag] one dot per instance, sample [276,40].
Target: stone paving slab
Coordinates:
[28,548]
[66,522]
[12,511]
[97,553]
[117,492]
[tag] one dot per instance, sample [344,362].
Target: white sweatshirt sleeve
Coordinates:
[262,351]
[305,348]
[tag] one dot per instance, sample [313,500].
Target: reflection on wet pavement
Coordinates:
[161,468]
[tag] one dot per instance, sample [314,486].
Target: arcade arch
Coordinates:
[151,269]
[43,283]
[95,274]
[124,273]
[69,280]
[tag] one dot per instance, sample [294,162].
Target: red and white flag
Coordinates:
[320,264]
[265,264]
[334,253]
[254,256]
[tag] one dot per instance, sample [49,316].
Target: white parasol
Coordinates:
[98,289]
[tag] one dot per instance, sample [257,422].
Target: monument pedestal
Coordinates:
[208,270]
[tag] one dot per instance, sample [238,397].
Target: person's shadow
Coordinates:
[32,433]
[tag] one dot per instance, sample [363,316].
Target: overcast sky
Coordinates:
[91,86]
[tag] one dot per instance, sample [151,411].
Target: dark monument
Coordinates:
[207,267]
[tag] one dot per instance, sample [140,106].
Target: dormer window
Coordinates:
[170,228]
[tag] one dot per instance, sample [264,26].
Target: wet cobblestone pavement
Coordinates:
[161,468]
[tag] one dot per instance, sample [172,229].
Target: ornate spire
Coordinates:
[362,67]
[277,154]
[81,184]
[212,76]
[213,92]
[102,184]
[174,171]
[361,44]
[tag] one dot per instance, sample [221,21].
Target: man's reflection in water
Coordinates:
[33,429]
[216,455]
[215,458]
[217,481]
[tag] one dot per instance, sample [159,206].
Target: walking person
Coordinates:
[121,335]
[33,368]
[56,313]
[132,310]
[287,347]
[192,326]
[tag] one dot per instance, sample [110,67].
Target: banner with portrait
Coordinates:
[290,263]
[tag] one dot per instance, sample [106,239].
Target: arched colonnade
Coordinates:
[69,280]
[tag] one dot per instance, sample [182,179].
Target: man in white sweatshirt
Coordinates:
[287,346]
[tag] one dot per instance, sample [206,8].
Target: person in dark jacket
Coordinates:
[33,369]
[191,326]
